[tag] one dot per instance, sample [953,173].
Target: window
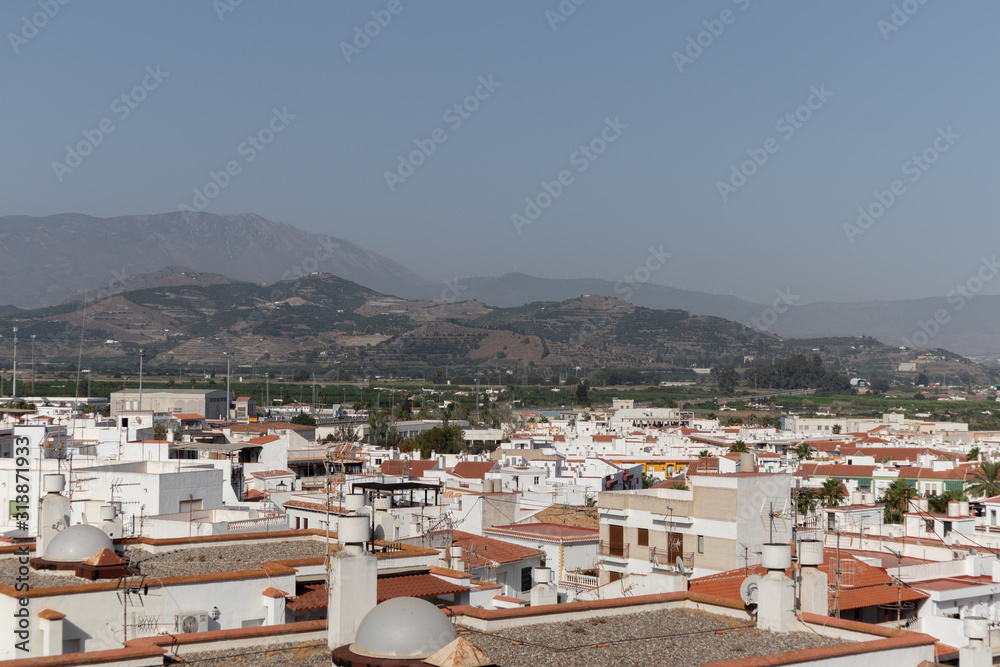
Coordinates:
[947,528]
[701,544]
[831,521]
[929,525]
[643,537]
[525,579]
[614,576]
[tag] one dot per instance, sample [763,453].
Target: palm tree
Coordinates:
[703,453]
[897,499]
[985,482]
[738,447]
[806,501]
[836,429]
[939,504]
[831,492]
[803,451]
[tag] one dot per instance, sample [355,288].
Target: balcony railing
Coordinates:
[665,558]
[613,550]
[584,580]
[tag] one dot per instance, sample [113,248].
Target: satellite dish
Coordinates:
[253,514]
[973,551]
[680,565]
[748,589]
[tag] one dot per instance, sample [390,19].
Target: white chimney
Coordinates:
[456,559]
[544,591]
[53,513]
[978,653]
[813,582]
[352,581]
[776,593]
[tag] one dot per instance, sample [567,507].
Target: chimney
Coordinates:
[111,523]
[53,514]
[813,582]
[544,591]
[456,559]
[776,593]
[746,462]
[351,581]
[978,653]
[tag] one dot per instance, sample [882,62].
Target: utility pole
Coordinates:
[14,379]
[229,397]
[142,354]
[32,364]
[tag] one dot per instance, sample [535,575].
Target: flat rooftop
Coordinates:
[212,559]
[299,654]
[665,637]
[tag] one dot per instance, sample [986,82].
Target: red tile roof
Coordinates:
[861,585]
[399,467]
[474,469]
[263,440]
[401,586]
[189,416]
[553,532]
[103,558]
[480,550]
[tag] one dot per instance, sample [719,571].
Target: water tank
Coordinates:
[543,575]
[354,501]
[963,507]
[954,508]
[383,503]
[107,512]
[353,530]
[976,627]
[776,556]
[53,483]
[456,552]
[811,553]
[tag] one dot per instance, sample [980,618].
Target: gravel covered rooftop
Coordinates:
[666,637]
[223,557]
[307,654]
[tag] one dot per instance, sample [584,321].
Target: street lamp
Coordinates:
[142,354]
[32,364]
[14,379]
[228,395]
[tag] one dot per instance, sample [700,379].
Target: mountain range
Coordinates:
[51,260]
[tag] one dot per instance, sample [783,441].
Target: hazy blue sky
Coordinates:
[656,183]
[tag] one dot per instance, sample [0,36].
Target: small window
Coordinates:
[831,521]
[947,528]
[701,544]
[643,537]
[929,525]
[525,579]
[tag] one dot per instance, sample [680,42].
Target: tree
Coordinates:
[832,492]
[803,451]
[738,447]
[878,384]
[985,481]
[648,481]
[939,504]
[344,433]
[836,429]
[381,431]
[897,499]
[918,396]
[806,501]
[973,454]
[303,419]
[703,453]
[159,432]
[726,377]
[922,380]
[582,392]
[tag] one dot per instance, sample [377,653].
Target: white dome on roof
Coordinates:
[77,543]
[403,628]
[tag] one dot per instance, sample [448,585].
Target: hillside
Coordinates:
[57,257]
[332,325]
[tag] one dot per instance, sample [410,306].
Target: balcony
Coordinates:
[665,558]
[581,580]
[613,550]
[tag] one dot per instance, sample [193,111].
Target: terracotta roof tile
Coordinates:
[474,469]
[103,558]
[480,550]
[400,467]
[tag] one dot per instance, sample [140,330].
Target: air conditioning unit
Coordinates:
[191,621]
